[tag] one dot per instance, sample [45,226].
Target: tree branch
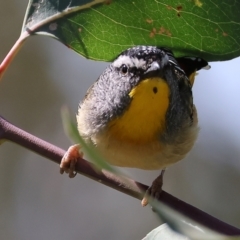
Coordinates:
[12,133]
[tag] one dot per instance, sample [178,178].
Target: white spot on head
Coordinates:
[155,66]
[53,26]
[122,60]
[207,67]
[130,62]
[139,63]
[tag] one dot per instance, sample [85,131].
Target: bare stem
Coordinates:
[12,53]
[11,133]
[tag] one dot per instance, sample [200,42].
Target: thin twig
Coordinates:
[12,53]
[12,133]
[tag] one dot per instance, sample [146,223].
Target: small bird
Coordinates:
[140,112]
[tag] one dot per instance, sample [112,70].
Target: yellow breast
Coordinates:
[145,118]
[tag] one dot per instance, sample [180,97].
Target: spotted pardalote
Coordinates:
[140,111]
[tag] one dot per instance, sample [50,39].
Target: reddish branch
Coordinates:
[11,133]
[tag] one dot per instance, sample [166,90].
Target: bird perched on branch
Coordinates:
[140,112]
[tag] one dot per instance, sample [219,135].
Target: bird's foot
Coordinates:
[69,160]
[155,190]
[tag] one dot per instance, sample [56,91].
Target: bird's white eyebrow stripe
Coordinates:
[122,60]
[130,62]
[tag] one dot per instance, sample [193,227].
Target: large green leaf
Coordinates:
[100,31]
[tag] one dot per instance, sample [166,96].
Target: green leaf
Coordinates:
[41,12]
[208,29]
[182,224]
[163,232]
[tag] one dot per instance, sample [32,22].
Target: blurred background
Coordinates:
[36,202]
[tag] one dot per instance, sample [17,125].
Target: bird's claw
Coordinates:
[69,160]
[154,191]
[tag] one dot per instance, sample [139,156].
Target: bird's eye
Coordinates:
[124,69]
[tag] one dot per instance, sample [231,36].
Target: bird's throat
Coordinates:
[144,119]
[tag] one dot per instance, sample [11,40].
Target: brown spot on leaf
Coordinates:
[179,8]
[224,34]
[153,33]
[161,31]
[108,2]
[149,21]
[169,7]
[168,33]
